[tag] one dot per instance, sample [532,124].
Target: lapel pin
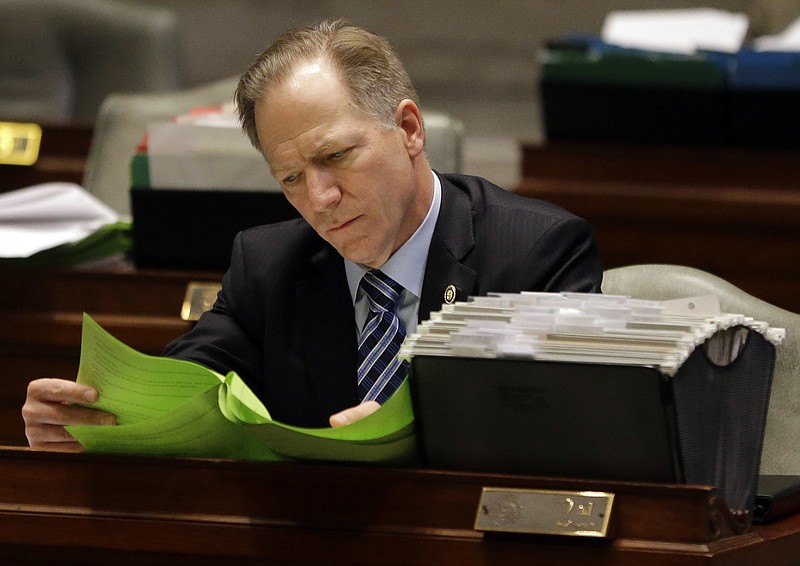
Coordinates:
[450,294]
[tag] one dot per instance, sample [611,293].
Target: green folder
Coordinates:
[651,70]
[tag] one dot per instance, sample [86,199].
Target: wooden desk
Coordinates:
[732,212]
[41,313]
[102,509]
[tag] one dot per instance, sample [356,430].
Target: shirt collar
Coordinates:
[404,265]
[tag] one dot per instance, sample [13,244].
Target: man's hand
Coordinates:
[51,404]
[353,414]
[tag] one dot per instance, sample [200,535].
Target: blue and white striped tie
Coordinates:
[380,373]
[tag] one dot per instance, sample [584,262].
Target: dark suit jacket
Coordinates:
[284,319]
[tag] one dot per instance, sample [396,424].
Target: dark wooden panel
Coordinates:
[96,509]
[734,213]
[652,164]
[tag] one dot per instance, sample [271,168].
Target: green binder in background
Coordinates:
[625,95]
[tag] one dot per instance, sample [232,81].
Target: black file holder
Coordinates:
[705,425]
[194,229]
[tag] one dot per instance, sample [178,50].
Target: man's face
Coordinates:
[350,177]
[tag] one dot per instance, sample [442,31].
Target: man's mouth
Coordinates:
[342,225]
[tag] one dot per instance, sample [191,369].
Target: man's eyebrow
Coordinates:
[324,147]
[276,170]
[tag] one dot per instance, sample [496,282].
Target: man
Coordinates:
[335,115]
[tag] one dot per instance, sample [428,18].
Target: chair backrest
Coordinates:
[123,119]
[444,141]
[781,453]
[61,58]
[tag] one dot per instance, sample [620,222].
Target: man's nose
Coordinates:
[322,189]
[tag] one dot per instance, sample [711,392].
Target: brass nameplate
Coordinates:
[198,299]
[19,143]
[545,512]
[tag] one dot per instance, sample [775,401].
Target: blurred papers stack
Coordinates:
[204,149]
[582,327]
[59,224]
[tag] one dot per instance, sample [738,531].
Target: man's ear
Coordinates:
[409,119]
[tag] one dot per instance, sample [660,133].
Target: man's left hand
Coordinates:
[353,414]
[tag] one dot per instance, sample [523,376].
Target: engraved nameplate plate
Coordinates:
[19,143]
[546,512]
[198,299]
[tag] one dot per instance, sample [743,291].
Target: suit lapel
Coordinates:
[453,238]
[326,315]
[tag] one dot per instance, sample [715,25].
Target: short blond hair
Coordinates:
[367,64]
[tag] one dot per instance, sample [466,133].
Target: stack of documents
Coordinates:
[580,327]
[677,31]
[202,150]
[692,30]
[58,224]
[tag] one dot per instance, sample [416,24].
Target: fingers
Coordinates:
[49,406]
[353,414]
[53,413]
[61,390]
[64,447]
[51,437]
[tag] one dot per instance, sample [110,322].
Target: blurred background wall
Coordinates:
[476,60]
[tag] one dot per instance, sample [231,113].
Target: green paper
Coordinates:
[166,406]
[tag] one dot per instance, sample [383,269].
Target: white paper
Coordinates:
[44,216]
[205,151]
[677,31]
[788,40]
[576,327]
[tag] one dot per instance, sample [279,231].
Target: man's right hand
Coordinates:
[51,404]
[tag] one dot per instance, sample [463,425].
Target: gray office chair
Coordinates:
[781,453]
[61,58]
[444,141]
[123,118]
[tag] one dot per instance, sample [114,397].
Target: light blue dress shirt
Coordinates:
[406,266]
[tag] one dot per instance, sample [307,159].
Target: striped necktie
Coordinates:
[380,373]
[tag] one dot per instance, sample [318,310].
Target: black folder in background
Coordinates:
[194,229]
[705,425]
